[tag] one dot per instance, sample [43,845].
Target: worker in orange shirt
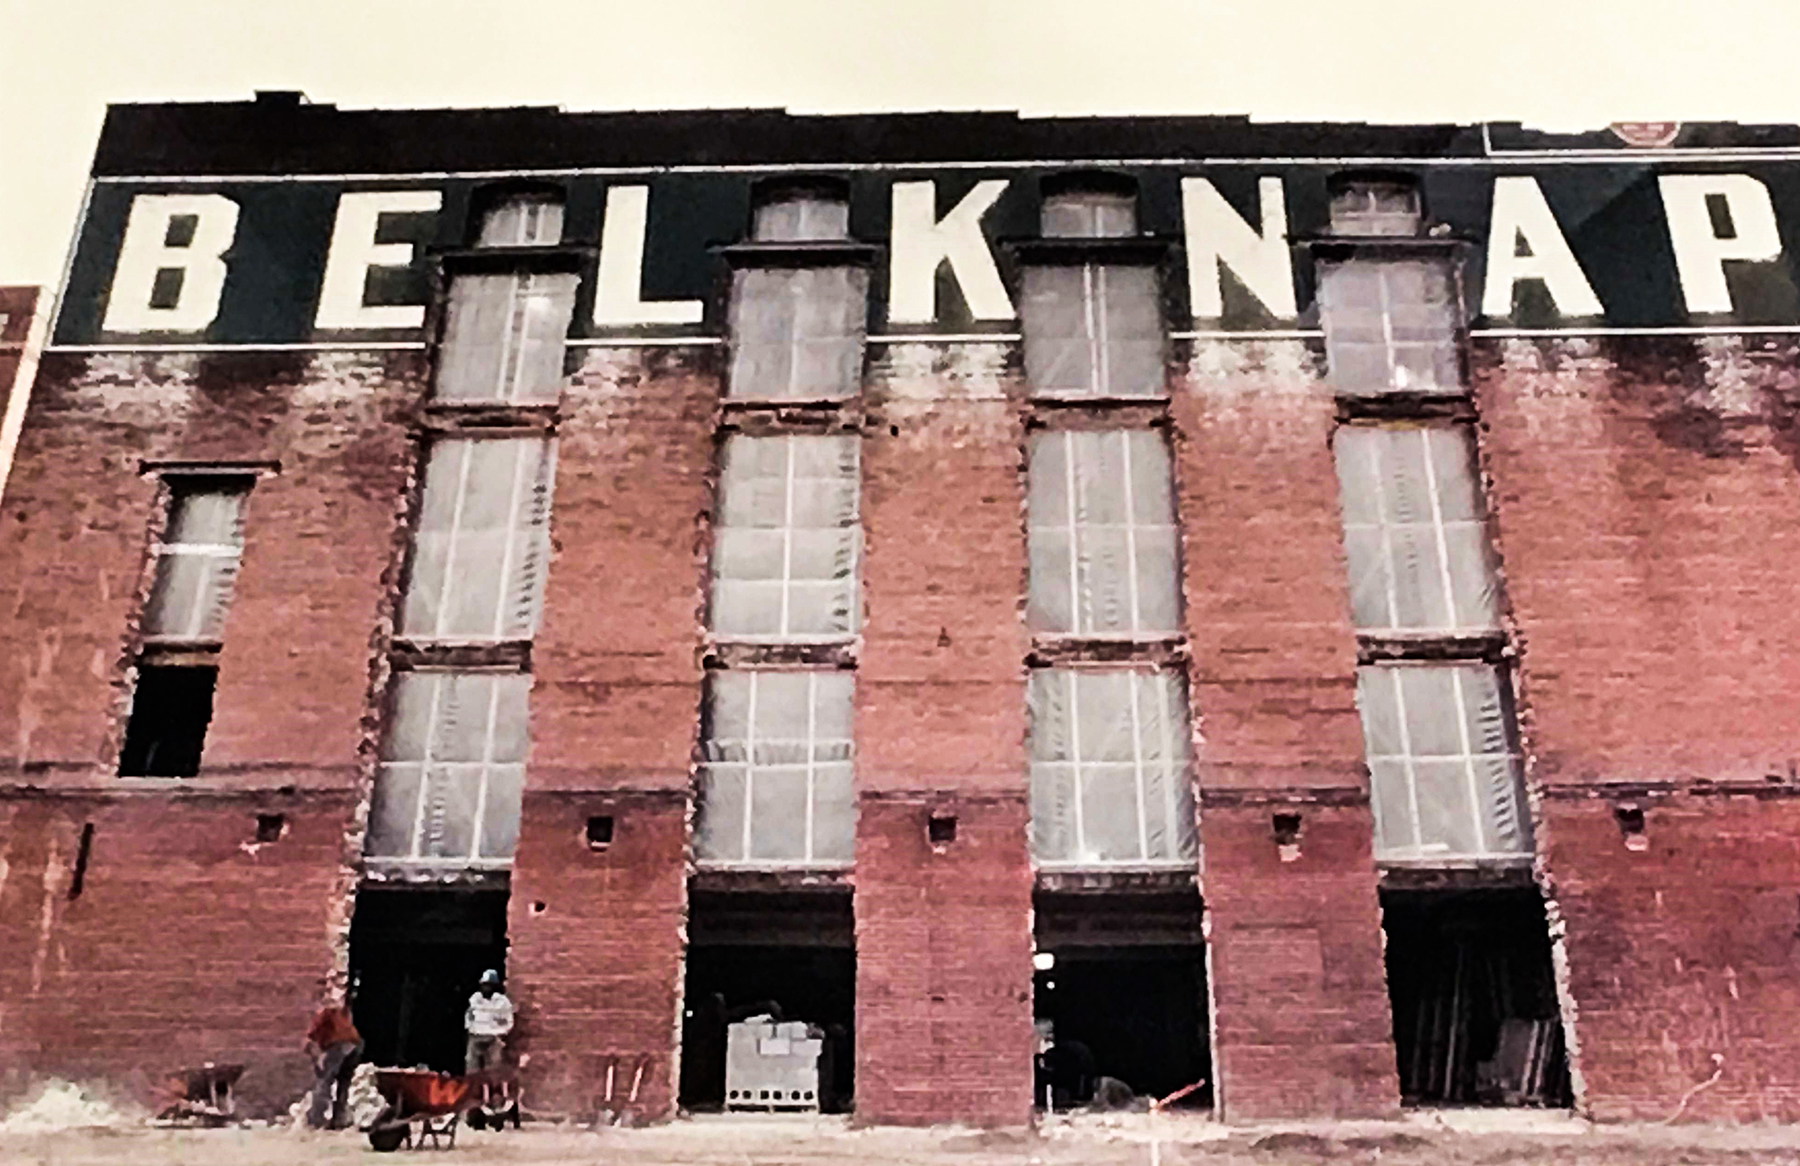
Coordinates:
[335,1047]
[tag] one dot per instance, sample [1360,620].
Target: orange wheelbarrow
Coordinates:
[432,1102]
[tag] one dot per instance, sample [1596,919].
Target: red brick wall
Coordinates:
[943,992]
[943,963]
[1301,1016]
[16,304]
[597,972]
[189,941]
[1658,618]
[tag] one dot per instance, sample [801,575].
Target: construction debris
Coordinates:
[64,1105]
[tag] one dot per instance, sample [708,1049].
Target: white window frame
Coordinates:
[222,581]
[1177,771]
[518,535]
[1383,312]
[1419,853]
[741,857]
[481,772]
[787,530]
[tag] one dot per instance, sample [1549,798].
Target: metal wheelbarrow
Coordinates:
[432,1102]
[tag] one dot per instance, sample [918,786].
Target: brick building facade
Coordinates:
[1302,608]
[18,306]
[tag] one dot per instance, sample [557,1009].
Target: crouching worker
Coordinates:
[335,1047]
[487,1021]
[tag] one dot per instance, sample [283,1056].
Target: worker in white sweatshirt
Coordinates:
[487,1021]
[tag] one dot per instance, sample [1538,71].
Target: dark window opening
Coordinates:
[1631,819]
[1287,829]
[940,829]
[1476,1020]
[415,959]
[169,714]
[1120,1001]
[269,827]
[600,831]
[789,957]
[78,877]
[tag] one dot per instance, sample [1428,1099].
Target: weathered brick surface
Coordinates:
[597,972]
[943,963]
[189,941]
[1684,952]
[16,305]
[1644,490]
[1301,1024]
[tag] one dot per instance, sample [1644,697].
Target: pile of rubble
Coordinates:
[63,1105]
[365,1104]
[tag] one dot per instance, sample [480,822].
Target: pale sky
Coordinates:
[1553,63]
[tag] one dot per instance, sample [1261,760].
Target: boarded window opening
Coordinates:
[448,791]
[1110,759]
[1390,325]
[787,955]
[481,551]
[1476,1018]
[1444,761]
[1415,532]
[1101,532]
[1120,996]
[170,710]
[777,785]
[788,543]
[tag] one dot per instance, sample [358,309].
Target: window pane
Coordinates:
[797,333]
[1417,547]
[1443,758]
[778,786]
[1110,768]
[197,565]
[482,548]
[1092,330]
[1390,325]
[1089,215]
[504,336]
[1375,208]
[786,548]
[528,221]
[1101,534]
[799,218]
[466,733]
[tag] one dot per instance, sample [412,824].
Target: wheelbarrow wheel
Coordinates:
[387,1138]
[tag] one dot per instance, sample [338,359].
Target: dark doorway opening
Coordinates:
[788,954]
[1476,1020]
[415,957]
[1120,999]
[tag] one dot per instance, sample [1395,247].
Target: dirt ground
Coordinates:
[1450,1139]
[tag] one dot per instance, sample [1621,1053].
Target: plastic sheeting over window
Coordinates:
[797,332]
[1390,325]
[481,552]
[777,786]
[1375,208]
[1110,773]
[801,218]
[786,549]
[503,338]
[1092,330]
[197,563]
[1102,534]
[1089,215]
[524,221]
[1447,781]
[452,768]
[1420,559]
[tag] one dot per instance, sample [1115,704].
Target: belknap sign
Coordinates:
[1548,245]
